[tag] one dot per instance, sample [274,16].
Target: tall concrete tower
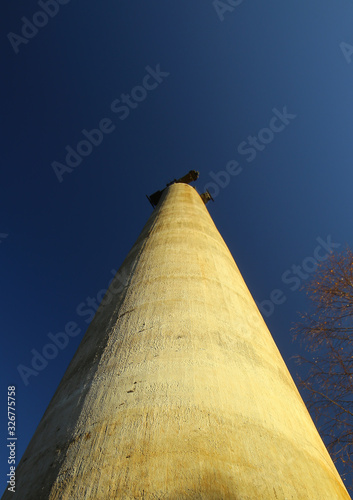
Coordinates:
[177,390]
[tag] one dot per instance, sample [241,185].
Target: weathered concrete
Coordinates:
[177,390]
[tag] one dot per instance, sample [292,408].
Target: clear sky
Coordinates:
[262,91]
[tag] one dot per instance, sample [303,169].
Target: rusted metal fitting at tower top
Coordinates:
[206,196]
[193,175]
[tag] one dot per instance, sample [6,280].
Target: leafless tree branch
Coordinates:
[326,332]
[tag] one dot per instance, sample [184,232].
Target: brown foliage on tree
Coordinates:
[327,333]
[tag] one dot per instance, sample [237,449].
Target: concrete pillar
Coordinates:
[177,390]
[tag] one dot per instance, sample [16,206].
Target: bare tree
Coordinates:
[327,333]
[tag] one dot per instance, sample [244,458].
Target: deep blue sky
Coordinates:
[225,78]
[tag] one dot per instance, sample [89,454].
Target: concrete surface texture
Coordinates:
[177,390]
